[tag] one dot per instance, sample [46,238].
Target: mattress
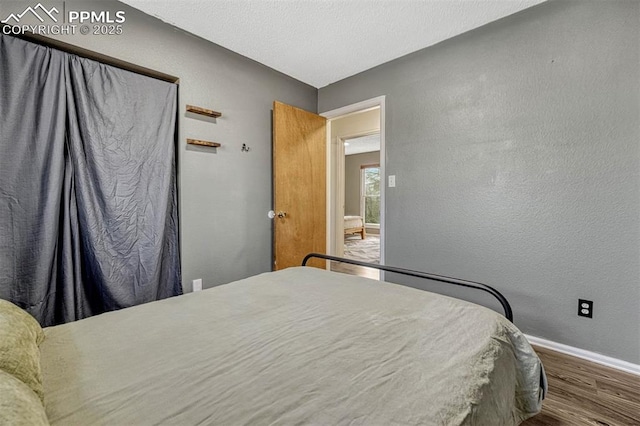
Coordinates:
[352,222]
[298,346]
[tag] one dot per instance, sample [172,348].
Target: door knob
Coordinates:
[273,214]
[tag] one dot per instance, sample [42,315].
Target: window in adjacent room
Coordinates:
[370,200]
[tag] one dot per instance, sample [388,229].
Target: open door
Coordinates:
[300,185]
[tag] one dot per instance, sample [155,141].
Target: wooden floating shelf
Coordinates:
[203,143]
[203,111]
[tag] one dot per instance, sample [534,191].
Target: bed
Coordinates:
[297,346]
[354,225]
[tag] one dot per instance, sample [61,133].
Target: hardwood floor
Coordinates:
[355,270]
[580,393]
[585,393]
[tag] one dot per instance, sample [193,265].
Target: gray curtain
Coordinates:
[88,207]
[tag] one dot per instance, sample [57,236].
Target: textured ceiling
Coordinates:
[322,41]
[362,144]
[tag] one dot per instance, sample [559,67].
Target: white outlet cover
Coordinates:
[197,284]
[392,181]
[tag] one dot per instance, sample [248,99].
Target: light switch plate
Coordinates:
[392,181]
[197,284]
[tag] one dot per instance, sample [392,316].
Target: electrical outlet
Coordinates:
[197,284]
[392,181]
[585,308]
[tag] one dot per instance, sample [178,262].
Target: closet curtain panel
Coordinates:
[88,206]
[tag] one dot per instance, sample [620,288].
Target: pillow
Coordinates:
[20,335]
[19,405]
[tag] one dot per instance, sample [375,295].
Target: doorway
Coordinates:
[362,198]
[355,182]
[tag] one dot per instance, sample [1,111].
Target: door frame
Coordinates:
[338,160]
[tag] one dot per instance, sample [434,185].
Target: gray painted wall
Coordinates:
[352,182]
[224,195]
[516,152]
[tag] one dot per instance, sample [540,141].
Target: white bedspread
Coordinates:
[299,346]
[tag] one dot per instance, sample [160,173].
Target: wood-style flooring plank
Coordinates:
[360,271]
[566,362]
[559,413]
[619,389]
[586,393]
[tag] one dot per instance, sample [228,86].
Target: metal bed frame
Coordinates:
[508,313]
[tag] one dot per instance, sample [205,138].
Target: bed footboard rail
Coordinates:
[508,313]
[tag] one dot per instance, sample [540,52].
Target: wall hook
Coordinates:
[245,148]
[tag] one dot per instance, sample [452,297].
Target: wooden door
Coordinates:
[299,184]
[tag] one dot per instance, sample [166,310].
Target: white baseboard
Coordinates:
[584,354]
